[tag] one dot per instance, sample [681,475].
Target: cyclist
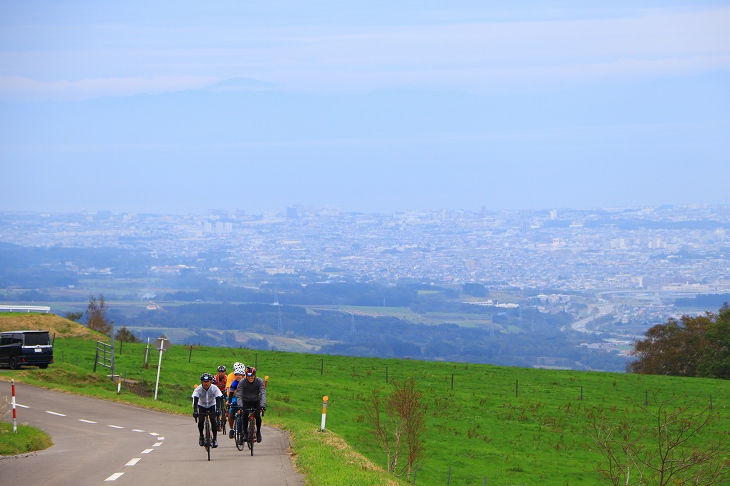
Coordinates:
[232,374]
[206,399]
[251,393]
[239,370]
[220,381]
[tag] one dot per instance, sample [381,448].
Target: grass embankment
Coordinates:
[508,425]
[27,439]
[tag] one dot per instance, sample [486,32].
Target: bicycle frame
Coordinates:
[207,431]
[245,418]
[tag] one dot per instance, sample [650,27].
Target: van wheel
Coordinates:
[13,364]
[43,366]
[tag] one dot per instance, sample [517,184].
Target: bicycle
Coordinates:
[222,420]
[249,435]
[207,434]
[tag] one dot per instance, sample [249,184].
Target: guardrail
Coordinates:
[25,308]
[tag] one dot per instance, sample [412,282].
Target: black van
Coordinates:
[18,348]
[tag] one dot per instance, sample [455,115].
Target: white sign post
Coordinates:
[161,344]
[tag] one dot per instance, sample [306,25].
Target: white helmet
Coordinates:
[239,368]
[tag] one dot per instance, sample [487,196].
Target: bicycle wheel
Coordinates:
[251,433]
[208,440]
[222,421]
[238,424]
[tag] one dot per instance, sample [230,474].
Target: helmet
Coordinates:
[205,377]
[239,368]
[250,371]
[221,369]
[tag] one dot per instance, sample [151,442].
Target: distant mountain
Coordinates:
[241,84]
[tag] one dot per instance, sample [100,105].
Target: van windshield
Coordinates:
[36,338]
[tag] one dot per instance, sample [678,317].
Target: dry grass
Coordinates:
[14,321]
[352,457]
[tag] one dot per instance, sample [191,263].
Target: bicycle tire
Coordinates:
[238,424]
[251,432]
[222,421]
[208,440]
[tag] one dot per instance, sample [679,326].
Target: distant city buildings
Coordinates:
[654,253]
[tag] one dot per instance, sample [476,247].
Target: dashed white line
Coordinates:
[87,421]
[160,438]
[133,461]
[146,451]
[137,430]
[154,433]
[115,426]
[55,413]
[157,444]
[21,406]
[114,477]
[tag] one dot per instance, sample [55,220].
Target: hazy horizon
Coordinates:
[182,108]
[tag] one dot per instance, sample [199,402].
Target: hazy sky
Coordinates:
[188,106]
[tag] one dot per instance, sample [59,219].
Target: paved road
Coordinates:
[97,442]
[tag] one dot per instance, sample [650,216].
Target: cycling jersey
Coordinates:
[206,398]
[220,382]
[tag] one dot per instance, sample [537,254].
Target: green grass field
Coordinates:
[510,426]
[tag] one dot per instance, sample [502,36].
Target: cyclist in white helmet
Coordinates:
[239,370]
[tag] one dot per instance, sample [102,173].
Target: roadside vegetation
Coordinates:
[502,425]
[25,439]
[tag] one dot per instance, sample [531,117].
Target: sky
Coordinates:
[183,107]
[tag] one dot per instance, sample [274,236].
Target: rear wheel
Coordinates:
[222,421]
[43,366]
[13,364]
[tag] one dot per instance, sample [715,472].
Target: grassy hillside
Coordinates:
[508,425]
[62,328]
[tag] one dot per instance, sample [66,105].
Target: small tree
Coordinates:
[96,315]
[674,446]
[690,346]
[74,316]
[399,425]
[126,336]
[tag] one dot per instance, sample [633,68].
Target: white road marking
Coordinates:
[87,421]
[160,438]
[154,433]
[137,430]
[115,426]
[55,413]
[21,406]
[157,444]
[133,461]
[146,451]
[114,477]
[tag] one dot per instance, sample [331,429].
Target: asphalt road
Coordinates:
[97,442]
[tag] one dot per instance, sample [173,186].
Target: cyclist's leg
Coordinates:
[200,424]
[214,423]
[257,414]
[231,414]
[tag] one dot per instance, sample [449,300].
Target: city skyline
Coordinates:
[179,109]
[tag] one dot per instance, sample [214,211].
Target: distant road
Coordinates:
[580,324]
[97,442]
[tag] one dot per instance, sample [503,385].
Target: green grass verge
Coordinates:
[27,439]
[508,425]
